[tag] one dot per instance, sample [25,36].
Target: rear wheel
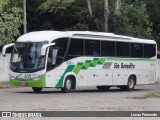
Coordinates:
[130,85]
[103,88]
[67,85]
[37,89]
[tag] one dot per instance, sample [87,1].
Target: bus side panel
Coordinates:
[143,70]
[91,71]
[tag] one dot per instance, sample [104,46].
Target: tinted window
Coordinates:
[92,47]
[107,48]
[149,50]
[122,49]
[61,45]
[56,53]
[76,47]
[136,50]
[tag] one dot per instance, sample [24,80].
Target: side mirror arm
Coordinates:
[5,47]
[44,47]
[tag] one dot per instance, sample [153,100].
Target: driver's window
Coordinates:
[52,57]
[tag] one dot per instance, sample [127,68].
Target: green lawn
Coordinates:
[152,95]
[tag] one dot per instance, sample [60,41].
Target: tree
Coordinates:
[126,17]
[10,20]
[106,15]
[117,7]
[133,20]
[154,17]
[55,5]
[89,7]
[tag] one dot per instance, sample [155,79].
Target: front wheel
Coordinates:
[67,85]
[37,89]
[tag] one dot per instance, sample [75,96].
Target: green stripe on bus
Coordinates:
[94,62]
[86,64]
[77,68]
[80,66]
[68,69]
[101,61]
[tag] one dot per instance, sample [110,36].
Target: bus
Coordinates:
[69,59]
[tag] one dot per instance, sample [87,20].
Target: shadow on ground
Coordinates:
[80,91]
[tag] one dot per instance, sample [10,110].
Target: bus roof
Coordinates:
[42,36]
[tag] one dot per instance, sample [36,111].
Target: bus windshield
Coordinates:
[26,57]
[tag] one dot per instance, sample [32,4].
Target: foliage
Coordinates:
[152,95]
[154,17]
[138,18]
[55,5]
[73,15]
[132,21]
[10,20]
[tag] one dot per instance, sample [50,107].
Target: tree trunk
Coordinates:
[117,7]
[106,15]
[89,8]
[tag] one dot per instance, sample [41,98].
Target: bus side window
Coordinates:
[107,48]
[122,49]
[56,53]
[149,50]
[92,48]
[52,57]
[76,47]
[136,50]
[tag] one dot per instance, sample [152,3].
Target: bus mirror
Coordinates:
[5,48]
[44,47]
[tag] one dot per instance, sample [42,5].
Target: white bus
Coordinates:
[71,59]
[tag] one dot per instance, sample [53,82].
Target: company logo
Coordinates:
[6,114]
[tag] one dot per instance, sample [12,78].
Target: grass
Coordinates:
[152,95]
[5,85]
[156,83]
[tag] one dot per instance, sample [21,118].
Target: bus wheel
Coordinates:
[103,88]
[67,85]
[37,89]
[131,83]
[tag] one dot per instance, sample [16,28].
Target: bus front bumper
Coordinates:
[29,83]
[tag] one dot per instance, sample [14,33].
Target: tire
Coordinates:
[103,88]
[131,83]
[67,85]
[37,89]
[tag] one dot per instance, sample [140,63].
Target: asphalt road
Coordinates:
[82,99]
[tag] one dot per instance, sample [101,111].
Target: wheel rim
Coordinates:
[68,84]
[131,83]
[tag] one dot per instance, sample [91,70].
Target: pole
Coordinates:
[25,18]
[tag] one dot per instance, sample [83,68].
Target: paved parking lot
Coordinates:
[85,99]
[81,99]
